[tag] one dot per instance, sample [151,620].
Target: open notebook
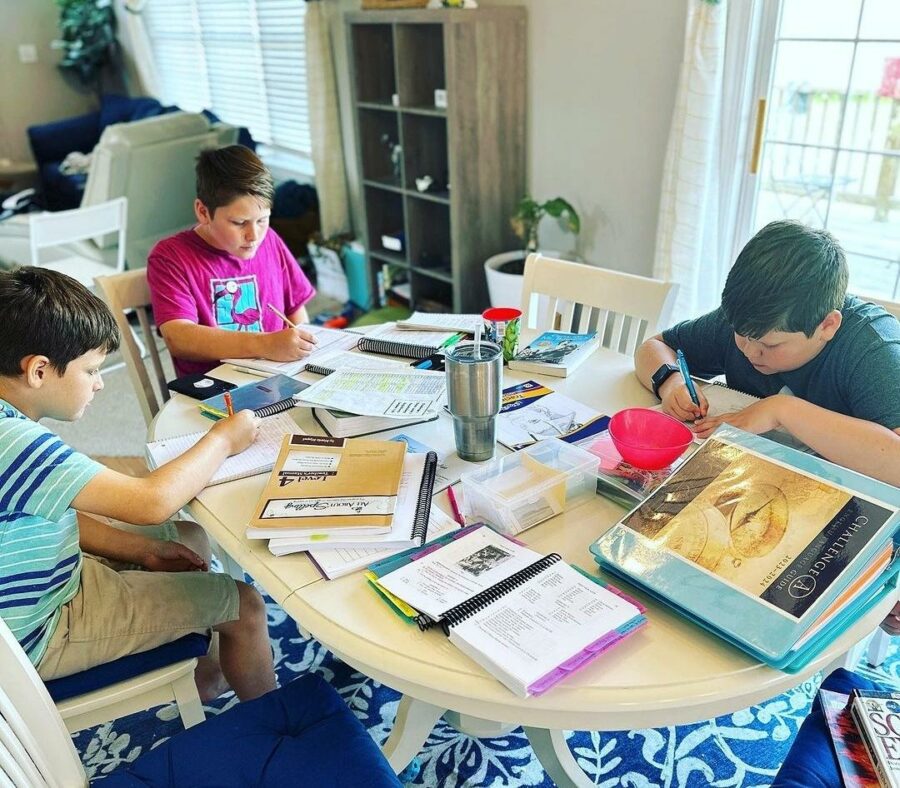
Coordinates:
[259,457]
[528,619]
[328,340]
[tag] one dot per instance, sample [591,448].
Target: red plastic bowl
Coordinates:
[647,438]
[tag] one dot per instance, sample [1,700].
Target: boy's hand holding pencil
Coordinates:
[680,398]
[289,344]
[239,430]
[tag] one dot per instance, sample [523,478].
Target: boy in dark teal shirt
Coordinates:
[825,365]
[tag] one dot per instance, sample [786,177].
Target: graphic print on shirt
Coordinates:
[236,303]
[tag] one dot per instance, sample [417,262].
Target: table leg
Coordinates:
[477,727]
[555,756]
[415,720]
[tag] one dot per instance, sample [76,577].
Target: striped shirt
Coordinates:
[40,560]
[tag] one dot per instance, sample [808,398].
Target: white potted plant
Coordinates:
[504,270]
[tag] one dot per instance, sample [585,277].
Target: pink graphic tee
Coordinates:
[191,280]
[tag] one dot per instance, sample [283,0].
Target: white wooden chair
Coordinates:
[623,309]
[126,292]
[35,747]
[74,232]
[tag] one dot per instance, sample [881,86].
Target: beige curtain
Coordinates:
[137,55]
[324,124]
[687,219]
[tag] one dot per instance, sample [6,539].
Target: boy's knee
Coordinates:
[253,606]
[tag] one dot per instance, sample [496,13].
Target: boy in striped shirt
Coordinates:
[74,589]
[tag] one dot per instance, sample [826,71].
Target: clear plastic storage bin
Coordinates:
[525,488]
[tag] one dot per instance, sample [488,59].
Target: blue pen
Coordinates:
[426,364]
[682,365]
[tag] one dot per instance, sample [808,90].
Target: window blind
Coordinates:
[243,59]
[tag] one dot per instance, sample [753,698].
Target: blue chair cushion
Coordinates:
[302,734]
[811,762]
[193,645]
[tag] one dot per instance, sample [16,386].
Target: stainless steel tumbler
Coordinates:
[474,390]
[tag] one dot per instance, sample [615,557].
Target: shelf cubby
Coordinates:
[422,45]
[385,217]
[430,294]
[374,64]
[379,132]
[425,151]
[429,234]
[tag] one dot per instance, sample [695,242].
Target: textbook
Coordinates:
[342,561]
[257,458]
[340,424]
[528,619]
[347,359]
[557,353]
[755,541]
[877,716]
[328,341]
[409,525]
[439,321]
[530,412]
[264,397]
[322,484]
[852,756]
[391,341]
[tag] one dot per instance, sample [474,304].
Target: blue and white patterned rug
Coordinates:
[737,750]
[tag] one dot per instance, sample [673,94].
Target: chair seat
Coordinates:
[300,734]
[127,667]
[80,268]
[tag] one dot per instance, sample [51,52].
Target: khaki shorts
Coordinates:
[119,611]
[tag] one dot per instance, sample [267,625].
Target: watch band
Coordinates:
[661,376]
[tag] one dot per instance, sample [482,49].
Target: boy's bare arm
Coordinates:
[854,443]
[193,342]
[106,541]
[154,498]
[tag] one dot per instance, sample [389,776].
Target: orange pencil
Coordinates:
[228,403]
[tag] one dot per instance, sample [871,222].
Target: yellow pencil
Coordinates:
[283,316]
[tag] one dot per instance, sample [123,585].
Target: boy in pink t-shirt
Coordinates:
[211,286]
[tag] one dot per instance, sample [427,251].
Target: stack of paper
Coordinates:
[328,340]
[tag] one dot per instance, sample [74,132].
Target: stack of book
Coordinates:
[774,550]
[335,493]
[556,353]
[865,736]
[528,619]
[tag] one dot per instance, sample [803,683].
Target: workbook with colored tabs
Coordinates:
[529,619]
[265,397]
[772,549]
[323,485]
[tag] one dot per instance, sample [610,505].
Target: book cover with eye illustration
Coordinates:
[756,540]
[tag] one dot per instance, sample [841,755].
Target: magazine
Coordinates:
[877,716]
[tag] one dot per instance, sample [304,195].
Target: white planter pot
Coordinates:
[504,289]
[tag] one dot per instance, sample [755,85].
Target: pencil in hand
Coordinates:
[228,403]
[283,316]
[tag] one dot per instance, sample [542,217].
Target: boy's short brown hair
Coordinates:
[46,313]
[787,278]
[224,174]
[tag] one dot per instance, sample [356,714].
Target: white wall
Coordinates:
[601,82]
[33,92]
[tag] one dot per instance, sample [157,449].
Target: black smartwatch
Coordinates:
[661,376]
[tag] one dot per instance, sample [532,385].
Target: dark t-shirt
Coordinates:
[857,373]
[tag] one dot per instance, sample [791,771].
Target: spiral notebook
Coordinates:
[257,458]
[409,526]
[391,341]
[264,397]
[528,619]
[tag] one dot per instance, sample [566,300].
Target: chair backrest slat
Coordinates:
[130,291]
[623,309]
[57,228]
